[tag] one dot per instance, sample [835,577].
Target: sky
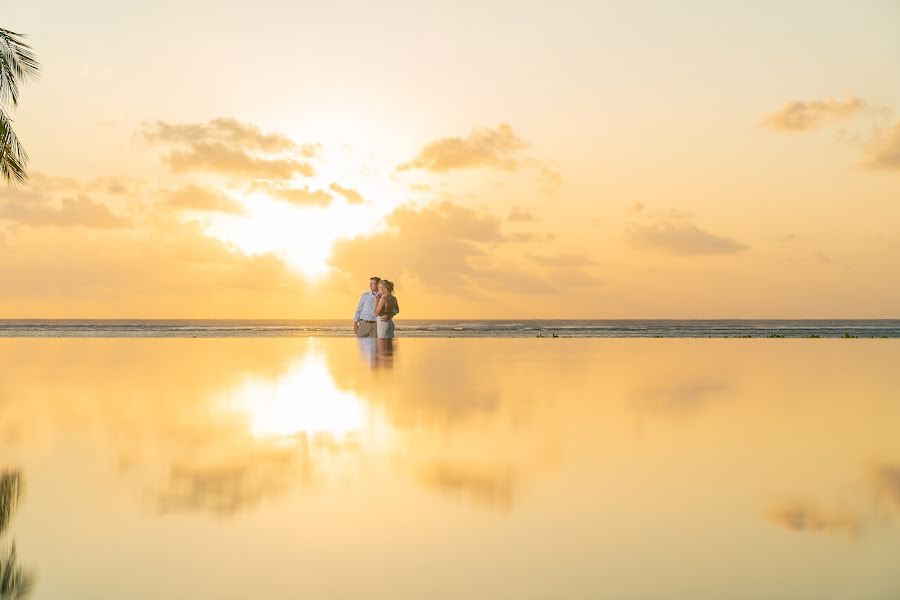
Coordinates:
[512,160]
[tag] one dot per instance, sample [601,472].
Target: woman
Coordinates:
[385,306]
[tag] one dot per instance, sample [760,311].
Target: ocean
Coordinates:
[521,328]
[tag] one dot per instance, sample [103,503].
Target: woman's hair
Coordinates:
[389,285]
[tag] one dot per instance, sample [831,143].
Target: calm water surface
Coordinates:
[453,468]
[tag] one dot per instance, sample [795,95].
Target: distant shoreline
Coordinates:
[455,328]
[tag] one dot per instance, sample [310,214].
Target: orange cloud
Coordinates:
[884,152]
[443,245]
[80,210]
[435,244]
[804,116]
[499,147]
[157,267]
[229,147]
[567,270]
[677,236]
[226,131]
[550,177]
[231,161]
[299,196]
[562,260]
[193,197]
[520,214]
[351,196]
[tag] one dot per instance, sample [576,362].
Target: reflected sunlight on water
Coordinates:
[453,468]
[305,400]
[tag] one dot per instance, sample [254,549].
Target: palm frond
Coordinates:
[18,64]
[13,158]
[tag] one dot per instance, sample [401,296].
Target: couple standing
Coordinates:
[374,316]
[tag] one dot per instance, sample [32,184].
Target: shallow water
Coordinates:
[466,468]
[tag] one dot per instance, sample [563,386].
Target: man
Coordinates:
[364,317]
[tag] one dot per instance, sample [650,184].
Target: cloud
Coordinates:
[566,270]
[158,268]
[530,236]
[225,159]
[90,264]
[499,147]
[804,116]
[351,196]
[298,196]
[550,177]
[115,185]
[435,244]
[801,518]
[224,130]
[451,219]
[52,183]
[513,280]
[72,211]
[573,277]
[230,147]
[520,215]
[884,151]
[442,245]
[193,197]
[678,236]
[562,260]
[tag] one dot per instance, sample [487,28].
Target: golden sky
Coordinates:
[502,160]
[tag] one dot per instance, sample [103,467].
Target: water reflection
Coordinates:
[866,506]
[886,480]
[488,485]
[303,401]
[287,425]
[377,353]
[15,582]
[234,482]
[455,456]
[800,517]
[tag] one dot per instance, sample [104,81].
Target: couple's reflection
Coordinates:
[378,353]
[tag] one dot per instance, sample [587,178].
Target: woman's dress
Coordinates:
[385,329]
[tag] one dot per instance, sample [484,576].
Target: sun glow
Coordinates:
[303,235]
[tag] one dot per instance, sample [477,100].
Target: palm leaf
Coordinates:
[17,65]
[13,158]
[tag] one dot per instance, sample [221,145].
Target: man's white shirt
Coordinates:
[365,310]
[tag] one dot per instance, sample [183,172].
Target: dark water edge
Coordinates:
[591,328]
